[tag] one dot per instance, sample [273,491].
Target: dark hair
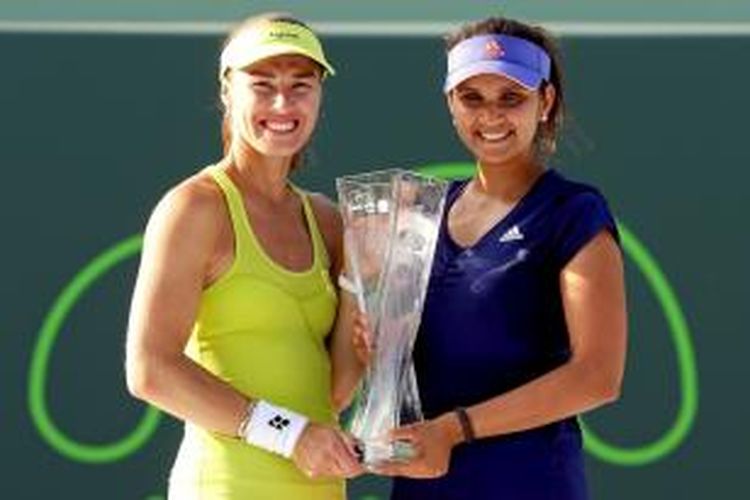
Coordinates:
[226,126]
[549,130]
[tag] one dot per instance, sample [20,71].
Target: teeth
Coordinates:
[285,126]
[494,136]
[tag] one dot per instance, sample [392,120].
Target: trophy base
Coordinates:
[373,453]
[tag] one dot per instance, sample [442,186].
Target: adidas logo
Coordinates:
[512,234]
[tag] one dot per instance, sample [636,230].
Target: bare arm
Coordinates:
[346,368]
[593,293]
[179,240]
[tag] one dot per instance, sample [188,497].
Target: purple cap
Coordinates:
[520,60]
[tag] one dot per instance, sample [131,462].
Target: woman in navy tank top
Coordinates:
[524,325]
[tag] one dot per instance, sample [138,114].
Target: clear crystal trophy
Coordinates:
[391,222]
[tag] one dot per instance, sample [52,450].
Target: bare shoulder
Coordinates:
[326,213]
[600,255]
[195,206]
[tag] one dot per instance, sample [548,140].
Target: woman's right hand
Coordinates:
[362,339]
[324,451]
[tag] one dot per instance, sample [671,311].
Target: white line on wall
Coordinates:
[379,28]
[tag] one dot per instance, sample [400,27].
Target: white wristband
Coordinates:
[274,429]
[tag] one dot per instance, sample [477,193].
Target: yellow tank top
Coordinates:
[262,329]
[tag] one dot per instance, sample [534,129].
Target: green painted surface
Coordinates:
[40,361]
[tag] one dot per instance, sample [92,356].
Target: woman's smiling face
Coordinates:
[497,118]
[274,104]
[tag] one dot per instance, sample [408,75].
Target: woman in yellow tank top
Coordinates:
[234,301]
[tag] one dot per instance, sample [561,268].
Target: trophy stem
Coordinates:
[391,221]
[354,266]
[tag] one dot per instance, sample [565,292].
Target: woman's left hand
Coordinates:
[433,442]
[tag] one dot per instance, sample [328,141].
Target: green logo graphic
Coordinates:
[81,452]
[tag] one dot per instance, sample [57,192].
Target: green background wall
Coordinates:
[349,10]
[94,128]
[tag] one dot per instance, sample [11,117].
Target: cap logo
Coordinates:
[494,50]
[511,56]
[282,34]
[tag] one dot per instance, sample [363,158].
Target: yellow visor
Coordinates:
[270,39]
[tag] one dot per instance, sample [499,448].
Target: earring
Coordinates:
[543,119]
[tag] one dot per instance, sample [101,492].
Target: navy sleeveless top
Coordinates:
[493,320]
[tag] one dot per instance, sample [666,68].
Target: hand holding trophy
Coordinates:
[391,222]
